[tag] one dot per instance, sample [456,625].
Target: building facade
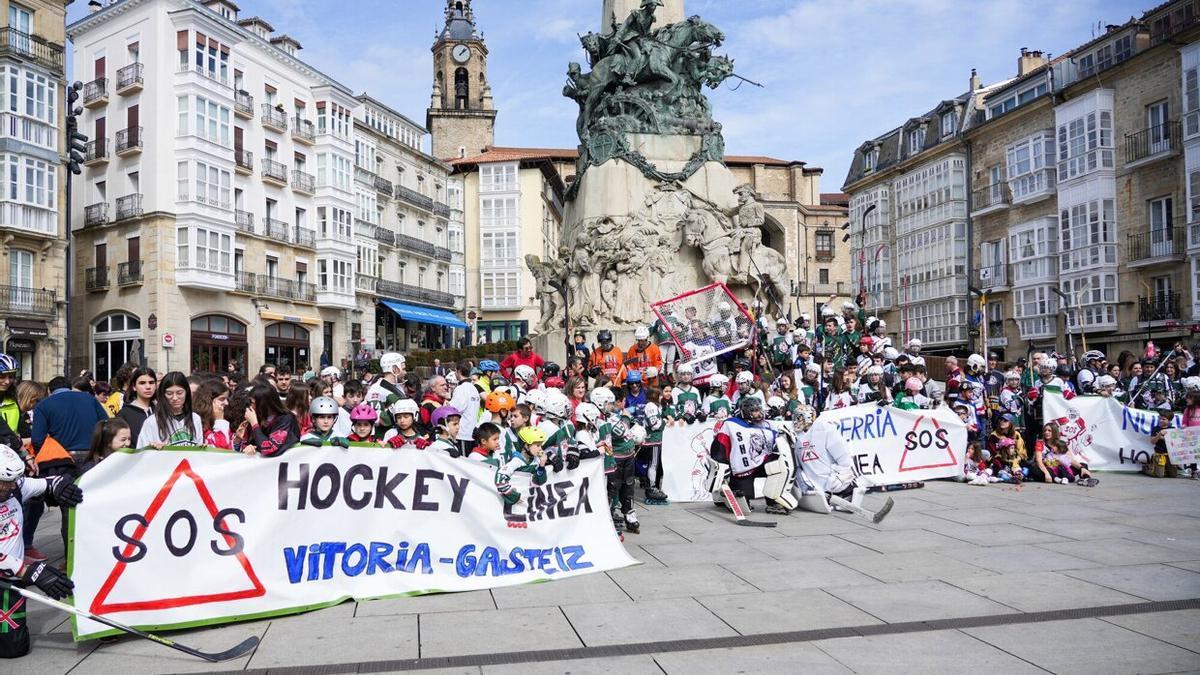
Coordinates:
[33,251]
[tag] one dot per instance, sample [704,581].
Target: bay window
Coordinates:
[1085,144]
[1089,235]
[500,289]
[1030,164]
[203,249]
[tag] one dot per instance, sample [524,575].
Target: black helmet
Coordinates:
[741,363]
[749,406]
[1063,371]
[604,336]
[551,369]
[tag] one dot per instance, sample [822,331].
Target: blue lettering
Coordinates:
[465,563]
[401,555]
[314,556]
[514,564]
[489,563]
[329,550]
[380,550]
[858,424]
[294,559]
[888,427]
[575,559]
[421,557]
[353,570]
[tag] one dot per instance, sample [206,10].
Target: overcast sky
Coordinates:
[835,72]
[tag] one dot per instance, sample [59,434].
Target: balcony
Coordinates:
[1156,246]
[243,161]
[441,210]
[243,221]
[275,287]
[303,131]
[95,214]
[129,141]
[385,236]
[95,93]
[992,277]
[825,290]
[96,153]
[129,206]
[27,302]
[96,278]
[398,291]
[413,197]
[442,253]
[414,245]
[823,254]
[274,172]
[33,47]
[383,186]
[364,176]
[303,182]
[243,104]
[990,198]
[130,79]
[1152,144]
[366,284]
[220,77]
[1031,187]
[302,236]
[129,273]
[275,229]
[1158,307]
[274,118]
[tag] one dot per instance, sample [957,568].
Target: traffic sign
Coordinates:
[168,341]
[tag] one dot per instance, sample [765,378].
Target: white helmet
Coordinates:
[1190,384]
[814,368]
[915,342]
[602,396]
[405,406]
[890,353]
[873,370]
[976,363]
[805,415]
[652,412]
[641,333]
[391,360]
[536,398]
[332,371]
[11,466]
[826,312]
[849,305]
[637,434]
[724,307]
[805,316]
[685,369]
[524,373]
[452,377]
[781,321]
[881,324]
[776,402]
[556,404]
[1016,375]
[718,380]
[651,372]
[745,377]
[800,334]
[1110,381]
[588,413]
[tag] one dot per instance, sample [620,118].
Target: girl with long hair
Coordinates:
[139,400]
[273,429]
[174,420]
[108,437]
[211,398]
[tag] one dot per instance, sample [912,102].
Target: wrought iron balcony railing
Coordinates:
[24,301]
[243,103]
[244,221]
[1161,243]
[413,197]
[129,206]
[272,170]
[274,117]
[990,196]
[275,229]
[33,47]
[130,76]
[129,273]
[1158,307]
[96,278]
[1151,141]
[95,214]
[129,139]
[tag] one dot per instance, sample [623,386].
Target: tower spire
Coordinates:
[460,21]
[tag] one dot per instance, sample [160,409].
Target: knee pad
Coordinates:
[781,474]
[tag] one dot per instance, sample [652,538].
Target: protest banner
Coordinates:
[1108,435]
[684,459]
[1183,445]
[205,537]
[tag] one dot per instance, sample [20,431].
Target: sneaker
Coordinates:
[1064,481]
[34,555]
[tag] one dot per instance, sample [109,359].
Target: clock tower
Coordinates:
[461,119]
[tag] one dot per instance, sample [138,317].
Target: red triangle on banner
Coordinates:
[949,454]
[100,604]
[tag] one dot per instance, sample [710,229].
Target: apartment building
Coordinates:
[33,247]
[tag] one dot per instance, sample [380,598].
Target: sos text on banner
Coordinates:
[1108,435]
[206,537]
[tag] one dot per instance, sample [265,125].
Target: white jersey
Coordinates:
[836,401]
[823,458]
[915,359]
[749,445]
[12,519]
[378,393]
[878,344]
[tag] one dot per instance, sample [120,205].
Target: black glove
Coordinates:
[594,371]
[701,417]
[689,418]
[455,452]
[556,462]
[572,460]
[64,491]
[49,579]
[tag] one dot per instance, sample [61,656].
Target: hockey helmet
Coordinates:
[391,360]
[441,414]
[332,372]
[913,385]
[588,413]
[604,337]
[499,400]
[637,434]
[364,412]
[405,406]
[641,333]
[633,377]
[550,369]
[976,364]
[601,397]
[718,380]
[750,408]
[11,466]
[744,377]
[556,404]
[323,405]
[651,372]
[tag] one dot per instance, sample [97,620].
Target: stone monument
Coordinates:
[653,211]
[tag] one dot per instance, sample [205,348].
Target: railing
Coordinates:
[995,328]
[365,175]
[244,159]
[275,229]
[274,170]
[824,254]
[988,196]
[129,206]
[1158,139]
[442,253]
[35,47]
[401,291]
[244,221]
[385,236]
[1158,307]
[262,284]
[305,182]
[810,288]
[129,273]
[97,149]
[303,129]
[96,278]
[24,301]
[129,139]
[95,90]
[413,197]
[95,214]
[441,210]
[992,276]
[304,237]
[415,245]
[1168,241]
[366,283]
[383,186]
[130,75]
[274,117]
[243,103]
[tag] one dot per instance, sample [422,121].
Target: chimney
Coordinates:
[976,83]
[94,6]
[1029,60]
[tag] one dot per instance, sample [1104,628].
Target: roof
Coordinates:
[835,199]
[285,38]
[760,159]
[494,153]
[250,21]
[367,98]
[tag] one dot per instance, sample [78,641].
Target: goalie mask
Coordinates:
[750,409]
[805,416]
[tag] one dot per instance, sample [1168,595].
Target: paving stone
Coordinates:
[584,589]
[625,665]
[1181,629]
[1152,582]
[459,633]
[1018,558]
[783,658]
[811,573]
[901,540]
[715,553]
[1119,552]
[814,546]
[1181,541]
[1094,647]
[1077,511]
[799,609]
[1042,591]
[130,656]
[943,651]
[1000,534]
[427,604]
[1167,523]
[909,566]
[57,652]
[917,601]
[1085,530]
[618,623]
[679,582]
[1193,565]
[321,639]
[980,515]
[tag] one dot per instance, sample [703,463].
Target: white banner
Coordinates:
[1108,435]
[205,537]
[685,462]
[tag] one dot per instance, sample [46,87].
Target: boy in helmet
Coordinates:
[445,421]
[686,396]
[362,425]
[913,351]
[626,436]
[15,489]
[635,394]
[524,379]
[560,446]
[404,426]
[324,413]
[782,346]
[528,458]
[744,448]
[745,388]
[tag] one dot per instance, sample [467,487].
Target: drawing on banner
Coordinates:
[926,446]
[1073,430]
[699,448]
[1183,445]
[180,536]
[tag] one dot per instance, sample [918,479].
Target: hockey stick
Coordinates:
[739,512]
[212,657]
[875,517]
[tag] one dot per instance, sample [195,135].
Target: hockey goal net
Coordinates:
[704,324]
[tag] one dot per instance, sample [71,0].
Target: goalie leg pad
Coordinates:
[718,476]
[781,473]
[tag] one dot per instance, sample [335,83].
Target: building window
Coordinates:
[113,339]
[498,178]
[1032,250]
[455,235]
[202,249]
[368,261]
[1030,164]
[334,223]
[500,289]
[499,249]
[211,185]
[824,245]
[458,281]
[1085,144]
[870,158]
[949,123]
[916,140]
[28,106]
[1089,235]
[1094,297]
[1016,99]
[822,275]
[210,120]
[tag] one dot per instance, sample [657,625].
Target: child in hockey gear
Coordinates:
[744,448]
[666,403]
[445,422]
[776,408]
[560,446]
[525,379]
[487,444]
[746,388]
[517,419]
[967,415]
[498,405]
[324,412]
[687,396]
[529,458]
[826,468]
[1009,460]
[912,398]
[651,452]
[872,388]
[626,435]
[362,424]
[717,405]
[14,568]
[404,415]
[635,395]
[781,346]
[587,430]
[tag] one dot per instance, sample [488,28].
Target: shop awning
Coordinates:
[28,327]
[280,316]
[437,317]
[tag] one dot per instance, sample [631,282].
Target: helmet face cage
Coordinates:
[750,409]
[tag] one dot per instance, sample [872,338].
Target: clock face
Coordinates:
[461,53]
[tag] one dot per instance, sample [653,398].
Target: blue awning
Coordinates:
[437,317]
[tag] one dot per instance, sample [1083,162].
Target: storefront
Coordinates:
[286,345]
[216,341]
[114,338]
[23,337]
[490,332]
[400,326]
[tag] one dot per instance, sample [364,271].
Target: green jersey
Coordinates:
[622,437]
[687,401]
[718,406]
[780,347]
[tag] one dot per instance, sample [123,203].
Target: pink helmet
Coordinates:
[441,414]
[913,385]
[363,412]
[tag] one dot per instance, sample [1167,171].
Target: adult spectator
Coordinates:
[466,400]
[524,356]
[268,370]
[139,400]
[29,393]
[283,381]
[120,382]
[389,388]
[435,397]
[643,355]
[439,369]
[607,359]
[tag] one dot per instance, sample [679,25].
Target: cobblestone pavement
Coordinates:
[958,578]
